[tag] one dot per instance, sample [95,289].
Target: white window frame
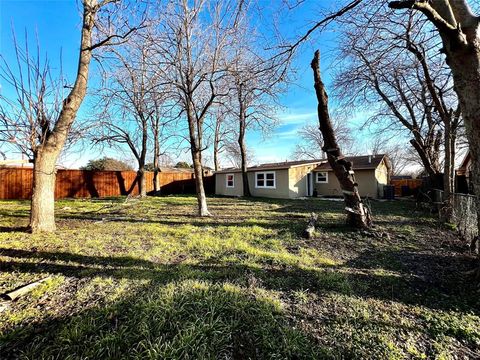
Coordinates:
[265,180]
[233,181]
[321,181]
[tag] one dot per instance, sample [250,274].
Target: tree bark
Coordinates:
[198,170]
[42,208]
[195,130]
[156,161]
[142,182]
[216,144]
[358,215]
[243,153]
[42,217]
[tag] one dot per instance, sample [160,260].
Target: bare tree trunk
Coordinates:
[195,130]
[215,152]
[243,153]
[156,161]
[198,170]
[358,215]
[448,175]
[42,216]
[142,182]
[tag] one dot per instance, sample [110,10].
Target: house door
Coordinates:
[309,184]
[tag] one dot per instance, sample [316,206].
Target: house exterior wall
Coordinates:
[298,180]
[281,190]
[366,179]
[221,185]
[381,175]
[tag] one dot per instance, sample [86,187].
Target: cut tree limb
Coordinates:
[358,214]
[12,295]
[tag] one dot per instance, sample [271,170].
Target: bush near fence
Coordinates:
[16,183]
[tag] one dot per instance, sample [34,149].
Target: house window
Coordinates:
[265,180]
[322,177]
[230,181]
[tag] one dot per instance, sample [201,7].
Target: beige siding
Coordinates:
[298,180]
[381,175]
[281,190]
[367,184]
[221,185]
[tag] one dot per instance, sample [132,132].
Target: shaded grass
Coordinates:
[148,279]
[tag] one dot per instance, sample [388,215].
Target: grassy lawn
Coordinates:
[148,279]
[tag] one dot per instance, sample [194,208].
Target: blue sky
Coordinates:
[57,23]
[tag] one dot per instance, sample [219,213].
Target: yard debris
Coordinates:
[23,290]
[4,305]
[309,232]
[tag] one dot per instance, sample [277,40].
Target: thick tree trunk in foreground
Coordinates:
[142,182]
[42,216]
[243,154]
[358,215]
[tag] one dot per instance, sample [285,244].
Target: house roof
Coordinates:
[364,162]
[463,169]
[274,166]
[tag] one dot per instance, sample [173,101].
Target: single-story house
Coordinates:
[293,179]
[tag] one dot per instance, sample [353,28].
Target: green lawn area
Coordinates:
[148,279]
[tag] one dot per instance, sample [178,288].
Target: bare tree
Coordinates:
[222,134]
[458,28]
[311,140]
[192,43]
[234,154]
[131,99]
[358,215]
[43,115]
[256,78]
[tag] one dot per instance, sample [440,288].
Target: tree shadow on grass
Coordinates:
[215,308]
[410,278]
[185,319]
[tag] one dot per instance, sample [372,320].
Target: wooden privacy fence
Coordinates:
[411,183]
[16,183]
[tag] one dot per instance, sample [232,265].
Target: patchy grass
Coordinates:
[149,279]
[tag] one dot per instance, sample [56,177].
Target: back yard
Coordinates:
[148,279]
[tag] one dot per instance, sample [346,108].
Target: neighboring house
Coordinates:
[293,179]
[463,176]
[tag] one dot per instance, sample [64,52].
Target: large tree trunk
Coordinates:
[195,130]
[43,196]
[142,181]
[42,207]
[243,154]
[358,215]
[198,170]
